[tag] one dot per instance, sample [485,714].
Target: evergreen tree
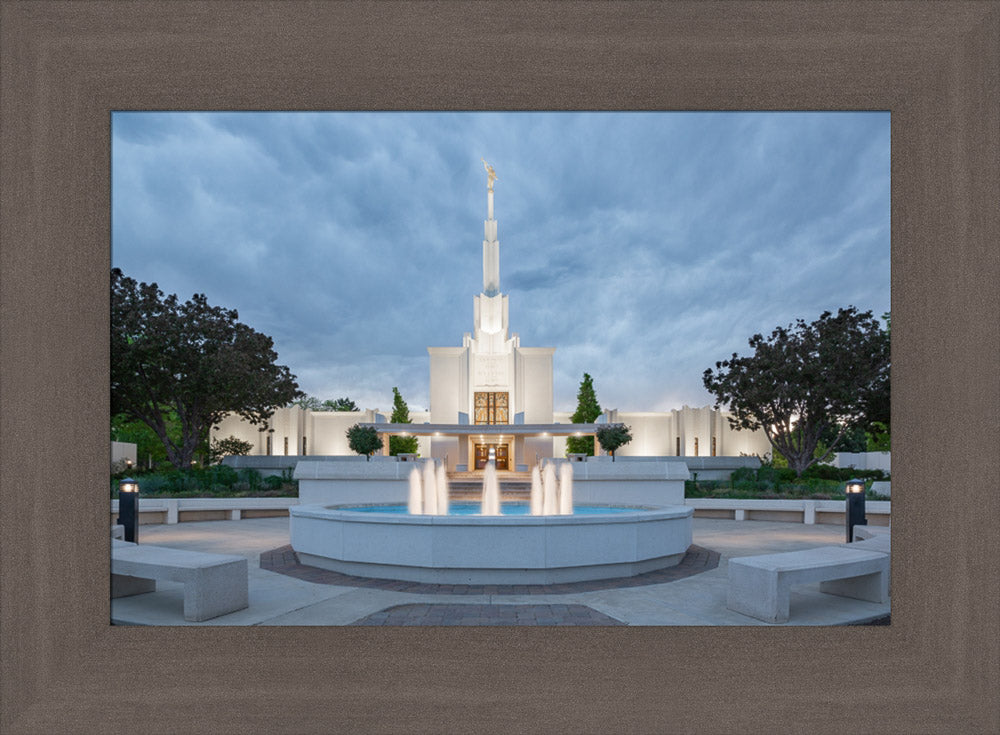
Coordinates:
[587,410]
[400,415]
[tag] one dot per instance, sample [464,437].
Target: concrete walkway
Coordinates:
[279,599]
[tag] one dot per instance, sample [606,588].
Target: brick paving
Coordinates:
[425,613]
[284,560]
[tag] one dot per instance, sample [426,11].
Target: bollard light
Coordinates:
[128,508]
[855,511]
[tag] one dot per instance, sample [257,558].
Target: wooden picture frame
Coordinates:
[66,66]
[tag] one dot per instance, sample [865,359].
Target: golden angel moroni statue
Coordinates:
[489,172]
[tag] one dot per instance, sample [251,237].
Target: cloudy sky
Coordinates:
[644,247]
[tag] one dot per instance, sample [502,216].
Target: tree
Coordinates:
[587,410]
[228,447]
[852,439]
[192,359]
[613,436]
[401,415]
[877,399]
[364,440]
[340,404]
[311,403]
[803,379]
[150,451]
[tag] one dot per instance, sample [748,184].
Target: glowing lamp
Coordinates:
[128,507]
[855,486]
[854,514]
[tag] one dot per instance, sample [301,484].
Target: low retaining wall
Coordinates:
[707,468]
[656,483]
[333,482]
[793,511]
[177,510]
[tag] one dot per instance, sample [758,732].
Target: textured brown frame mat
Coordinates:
[66,66]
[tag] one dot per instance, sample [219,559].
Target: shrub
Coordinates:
[251,477]
[785,474]
[226,447]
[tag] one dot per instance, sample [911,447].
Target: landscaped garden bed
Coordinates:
[820,482]
[214,481]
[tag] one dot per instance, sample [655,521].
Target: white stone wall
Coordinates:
[864,460]
[534,373]
[122,451]
[655,434]
[449,383]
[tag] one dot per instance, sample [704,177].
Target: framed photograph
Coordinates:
[634,249]
[68,69]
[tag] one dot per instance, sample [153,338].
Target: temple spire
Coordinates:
[491,246]
[491,176]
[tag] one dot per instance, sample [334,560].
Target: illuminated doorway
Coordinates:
[483,455]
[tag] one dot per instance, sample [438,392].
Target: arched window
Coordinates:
[678,451]
[713,446]
[303,446]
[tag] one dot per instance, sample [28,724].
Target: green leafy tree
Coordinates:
[804,378]
[877,401]
[401,415]
[587,411]
[852,439]
[192,359]
[150,451]
[364,440]
[309,403]
[228,447]
[879,439]
[613,436]
[340,404]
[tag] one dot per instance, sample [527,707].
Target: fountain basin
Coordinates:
[506,549]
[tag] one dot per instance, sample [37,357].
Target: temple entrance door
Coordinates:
[483,455]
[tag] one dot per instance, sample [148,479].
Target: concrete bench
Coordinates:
[878,542]
[863,532]
[876,538]
[214,584]
[759,586]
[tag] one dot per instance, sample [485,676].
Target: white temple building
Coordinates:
[491,397]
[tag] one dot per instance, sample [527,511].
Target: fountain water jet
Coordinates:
[442,490]
[550,503]
[416,500]
[491,491]
[430,491]
[565,489]
[536,491]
